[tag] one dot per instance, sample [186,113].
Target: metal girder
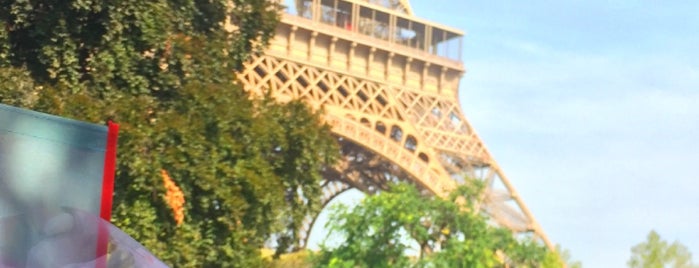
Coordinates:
[394,113]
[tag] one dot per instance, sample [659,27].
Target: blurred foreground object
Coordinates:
[67,238]
[47,165]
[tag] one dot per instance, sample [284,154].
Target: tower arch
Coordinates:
[388,83]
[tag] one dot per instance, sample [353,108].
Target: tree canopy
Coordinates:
[130,47]
[443,232]
[658,253]
[248,169]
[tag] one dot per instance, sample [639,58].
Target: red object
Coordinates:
[109,170]
[107,192]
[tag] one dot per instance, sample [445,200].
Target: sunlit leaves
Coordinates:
[131,46]
[656,252]
[384,229]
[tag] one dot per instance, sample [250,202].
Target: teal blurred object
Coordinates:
[50,166]
[50,161]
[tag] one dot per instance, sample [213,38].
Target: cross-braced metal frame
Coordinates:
[391,99]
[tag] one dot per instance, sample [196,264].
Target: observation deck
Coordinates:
[371,41]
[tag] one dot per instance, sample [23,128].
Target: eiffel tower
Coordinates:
[388,83]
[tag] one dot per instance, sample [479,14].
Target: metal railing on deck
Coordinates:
[381,23]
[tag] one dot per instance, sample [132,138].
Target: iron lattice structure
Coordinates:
[388,83]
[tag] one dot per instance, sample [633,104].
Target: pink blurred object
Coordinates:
[68,240]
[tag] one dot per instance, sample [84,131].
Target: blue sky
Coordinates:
[592,109]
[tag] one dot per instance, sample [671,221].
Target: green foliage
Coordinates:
[446,232]
[112,47]
[17,87]
[249,169]
[657,253]
[297,259]
[564,256]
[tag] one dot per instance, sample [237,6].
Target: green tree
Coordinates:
[447,232]
[249,168]
[566,258]
[657,253]
[120,47]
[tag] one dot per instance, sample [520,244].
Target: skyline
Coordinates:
[590,108]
